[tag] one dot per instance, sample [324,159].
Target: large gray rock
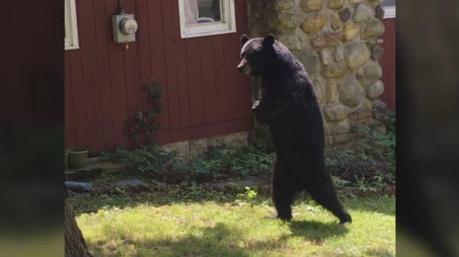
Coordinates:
[363,12]
[374,28]
[309,58]
[351,31]
[335,4]
[339,53]
[327,39]
[351,92]
[332,94]
[357,54]
[311,5]
[334,70]
[335,23]
[362,113]
[291,40]
[283,5]
[377,52]
[282,21]
[326,55]
[375,90]
[338,127]
[372,71]
[335,113]
[314,23]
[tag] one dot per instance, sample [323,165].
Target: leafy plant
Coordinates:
[248,196]
[141,126]
[366,166]
[220,162]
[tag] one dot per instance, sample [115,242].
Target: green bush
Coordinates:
[367,165]
[217,163]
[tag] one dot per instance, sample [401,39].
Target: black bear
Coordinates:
[290,109]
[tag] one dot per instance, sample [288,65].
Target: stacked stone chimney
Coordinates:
[338,43]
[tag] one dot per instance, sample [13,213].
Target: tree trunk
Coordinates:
[75,245]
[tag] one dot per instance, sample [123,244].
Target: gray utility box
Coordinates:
[124,28]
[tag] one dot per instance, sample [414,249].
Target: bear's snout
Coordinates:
[243,66]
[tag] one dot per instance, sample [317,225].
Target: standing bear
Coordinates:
[290,109]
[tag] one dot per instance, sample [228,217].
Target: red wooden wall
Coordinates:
[388,63]
[203,94]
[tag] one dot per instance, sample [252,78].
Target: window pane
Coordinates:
[202,11]
[388,3]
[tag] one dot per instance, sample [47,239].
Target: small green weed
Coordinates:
[248,196]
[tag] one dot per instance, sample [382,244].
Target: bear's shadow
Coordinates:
[316,231]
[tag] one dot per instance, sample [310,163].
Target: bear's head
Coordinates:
[256,54]
[265,56]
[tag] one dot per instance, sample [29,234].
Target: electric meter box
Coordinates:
[124,28]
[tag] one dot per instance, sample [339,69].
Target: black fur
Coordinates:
[289,107]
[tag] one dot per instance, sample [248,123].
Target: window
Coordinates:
[206,17]
[71,29]
[389,8]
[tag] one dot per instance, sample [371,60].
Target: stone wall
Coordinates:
[337,41]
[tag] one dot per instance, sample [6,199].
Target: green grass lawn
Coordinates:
[151,226]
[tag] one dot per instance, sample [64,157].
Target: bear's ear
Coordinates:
[244,39]
[268,41]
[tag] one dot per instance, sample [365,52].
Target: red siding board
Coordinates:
[197,104]
[90,76]
[208,78]
[203,94]
[117,75]
[155,17]
[101,23]
[132,69]
[230,86]
[388,63]
[170,37]
[144,49]
[70,137]
[182,78]
[79,105]
[184,91]
[220,78]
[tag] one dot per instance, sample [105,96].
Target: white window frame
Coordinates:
[227,25]
[389,12]
[71,26]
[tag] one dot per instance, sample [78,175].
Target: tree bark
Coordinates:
[75,245]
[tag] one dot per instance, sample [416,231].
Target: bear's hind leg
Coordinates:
[283,200]
[324,193]
[282,190]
